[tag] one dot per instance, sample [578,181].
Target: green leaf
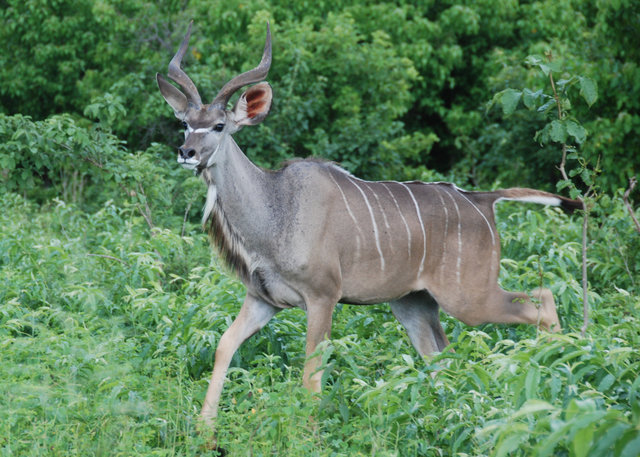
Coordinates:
[605,441]
[577,131]
[344,411]
[531,382]
[582,441]
[529,98]
[586,176]
[533,60]
[542,136]
[509,100]
[632,447]
[543,64]
[606,382]
[588,90]
[511,439]
[558,132]
[547,106]
[533,406]
[408,359]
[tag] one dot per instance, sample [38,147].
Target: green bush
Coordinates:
[387,89]
[108,332]
[111,302]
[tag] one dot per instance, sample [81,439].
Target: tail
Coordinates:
[538,196]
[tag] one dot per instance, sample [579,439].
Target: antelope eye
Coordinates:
[219,127]
[184,124]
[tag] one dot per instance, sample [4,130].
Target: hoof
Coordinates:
[218,451]
[210,447]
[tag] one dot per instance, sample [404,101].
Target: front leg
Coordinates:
[319,316]
[253,315]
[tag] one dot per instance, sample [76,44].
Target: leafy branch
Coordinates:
[564,130]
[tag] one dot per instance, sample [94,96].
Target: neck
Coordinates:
[235,182]
[236,206]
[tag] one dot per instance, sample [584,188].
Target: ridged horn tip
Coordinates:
[178,75]
[258,74]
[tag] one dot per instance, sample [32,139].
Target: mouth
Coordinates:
[189,164]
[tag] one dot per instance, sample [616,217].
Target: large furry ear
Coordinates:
[176,99]
[253,105]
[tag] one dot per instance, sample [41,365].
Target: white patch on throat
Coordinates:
[212,195]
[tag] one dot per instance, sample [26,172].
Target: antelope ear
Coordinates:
[253,105]
[176,99]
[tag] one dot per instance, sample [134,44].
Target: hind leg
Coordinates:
[418,314]
[514,307]
[502,307]
[547,305]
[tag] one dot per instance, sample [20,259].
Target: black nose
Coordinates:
[186,153]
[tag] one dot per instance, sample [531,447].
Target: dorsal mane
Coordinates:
[287,163]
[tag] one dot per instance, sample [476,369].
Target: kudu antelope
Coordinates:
[311,235]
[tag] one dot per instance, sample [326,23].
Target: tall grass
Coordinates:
[108,330]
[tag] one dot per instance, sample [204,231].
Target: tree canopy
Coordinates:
[388,89]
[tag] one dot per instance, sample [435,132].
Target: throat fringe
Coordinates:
[228,243]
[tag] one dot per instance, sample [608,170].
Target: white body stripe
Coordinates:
[494,257]
[446,231]
[404,220]
[353,217]
[493,235]
[384,215]
[459,259]
[424,233]
[373,223]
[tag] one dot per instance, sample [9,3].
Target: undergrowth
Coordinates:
[108,330]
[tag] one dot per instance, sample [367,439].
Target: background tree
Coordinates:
[387,89]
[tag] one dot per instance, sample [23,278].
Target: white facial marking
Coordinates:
[424,233]
[189,164]
[373,223]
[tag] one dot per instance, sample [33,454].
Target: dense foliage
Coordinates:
[107,332]
[387,89]
[111,302]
